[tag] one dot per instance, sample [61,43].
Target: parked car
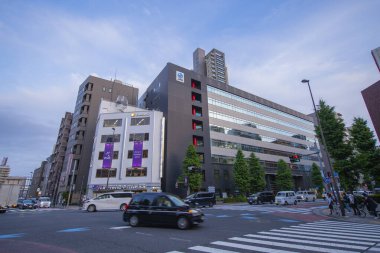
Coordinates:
[26,204]
[44,202]
[286,198]
[306,196]
[261,197]
[201,199]
[155,208]
[108,201]
[2,209]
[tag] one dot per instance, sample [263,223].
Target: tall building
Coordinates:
[79,147]
[58,156]
[4,170]
[135,137]
[376,56]
[212,65]
[218,119]
[371,96]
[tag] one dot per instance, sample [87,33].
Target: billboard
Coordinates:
[137,153]
[376,56]
[107,155]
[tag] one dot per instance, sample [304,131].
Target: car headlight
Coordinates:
[193,211]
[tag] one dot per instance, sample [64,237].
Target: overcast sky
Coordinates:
[48,48]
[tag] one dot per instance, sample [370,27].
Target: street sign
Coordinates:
[336,175]
[211,189]
[327,180]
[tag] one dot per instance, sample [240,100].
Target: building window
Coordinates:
[196,97]
[136,172]
[110,138]
[198,141]
[109,90]
[104,172]
[201,157]
[115,155]
[140,121]
[104,89]
[112,122]
[196,111]
[130,154]
[195,84]
[197,125]
[139,137]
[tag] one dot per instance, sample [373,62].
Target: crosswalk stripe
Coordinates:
[122,227]
[308,242]
[317,238]
[292,246]
[211,250]
[250,247]
[364,229]
[374,249]
[347,224]
[332,229]
[334,232]
[175,251]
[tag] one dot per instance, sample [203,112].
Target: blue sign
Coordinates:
[327,180]
[336,174]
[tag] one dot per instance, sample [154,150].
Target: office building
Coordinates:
[371,96]
[218,119]
[133,137]
[79,147]
[212,65]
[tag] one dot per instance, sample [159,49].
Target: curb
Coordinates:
[367,220]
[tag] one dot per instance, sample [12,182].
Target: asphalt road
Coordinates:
[65,231]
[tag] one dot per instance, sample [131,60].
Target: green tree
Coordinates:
[316,177]
[284,179]
[241,173]
[257,174]
[194,176]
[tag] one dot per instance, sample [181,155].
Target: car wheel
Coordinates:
[250,203]
[307,199]
[313,199]
[183,223]
[134,221]
[91,208]
[295,202]
[210,204]
[122,207]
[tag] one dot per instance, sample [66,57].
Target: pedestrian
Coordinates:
[353,203]
[330,201]
[371,204]
[346,202]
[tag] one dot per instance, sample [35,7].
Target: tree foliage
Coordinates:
[284,179]
[194,176]
[316,177]
[256,173]
[241,173]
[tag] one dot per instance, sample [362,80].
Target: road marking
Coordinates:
[333,232]
[140,233]
[179,239]
[292,246]
[287,220]
[344,228]
[249,247]
[211,250]
[346,224]
[8,236]
[334,229]
[308,242]
[374,249]
[122,227]
[248,218]
[317,238]
[223,216]
[70,230]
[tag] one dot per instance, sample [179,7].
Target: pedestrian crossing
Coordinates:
[267,209]
[321,236]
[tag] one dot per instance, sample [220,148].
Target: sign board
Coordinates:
[107,155]
[327,180]
[137,154]
[211,189]
[179,76]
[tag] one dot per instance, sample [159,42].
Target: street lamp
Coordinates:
[327,152]
[109,169]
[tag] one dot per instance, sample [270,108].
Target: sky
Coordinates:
[48,48]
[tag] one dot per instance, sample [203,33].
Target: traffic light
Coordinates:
[295,158]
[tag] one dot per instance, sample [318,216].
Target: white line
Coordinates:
[249,247]
[179,239]
[120,227]
[211,250]
[318,238]
[140,233]
[292,246]
[374,249]
[361,237]
[347,224]
[364,229]
[308,242]
[334,229]
[174,251]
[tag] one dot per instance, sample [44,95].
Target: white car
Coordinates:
[108,201]
[306,196]
[286,198]
[43,202]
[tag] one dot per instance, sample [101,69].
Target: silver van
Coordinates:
[108,201]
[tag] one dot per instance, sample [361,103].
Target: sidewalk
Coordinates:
[369,219]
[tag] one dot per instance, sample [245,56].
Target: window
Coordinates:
[201,157]
[197,125]
[140,121]
[139,137]
[136,172]
[104,89]
[196,97]
[104,172]
[115,155]
[112,122]
[110,138]
[130,154]
[198,141]
[195,84]
[109,90]
[196,111]
[122,195]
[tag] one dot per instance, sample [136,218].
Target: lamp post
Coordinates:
[109,169]
[327,152]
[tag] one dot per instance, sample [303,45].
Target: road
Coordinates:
[227,229]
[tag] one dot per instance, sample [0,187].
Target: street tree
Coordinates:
[241,173]
[316,177]
[284,178]
[191,169]
[256,174]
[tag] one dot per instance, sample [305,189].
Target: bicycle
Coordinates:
[362,210]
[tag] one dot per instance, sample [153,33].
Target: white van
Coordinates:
[306,196]
[108,201]
[43,202]
[286,198]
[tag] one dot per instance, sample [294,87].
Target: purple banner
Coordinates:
[107,156]
[137,153]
